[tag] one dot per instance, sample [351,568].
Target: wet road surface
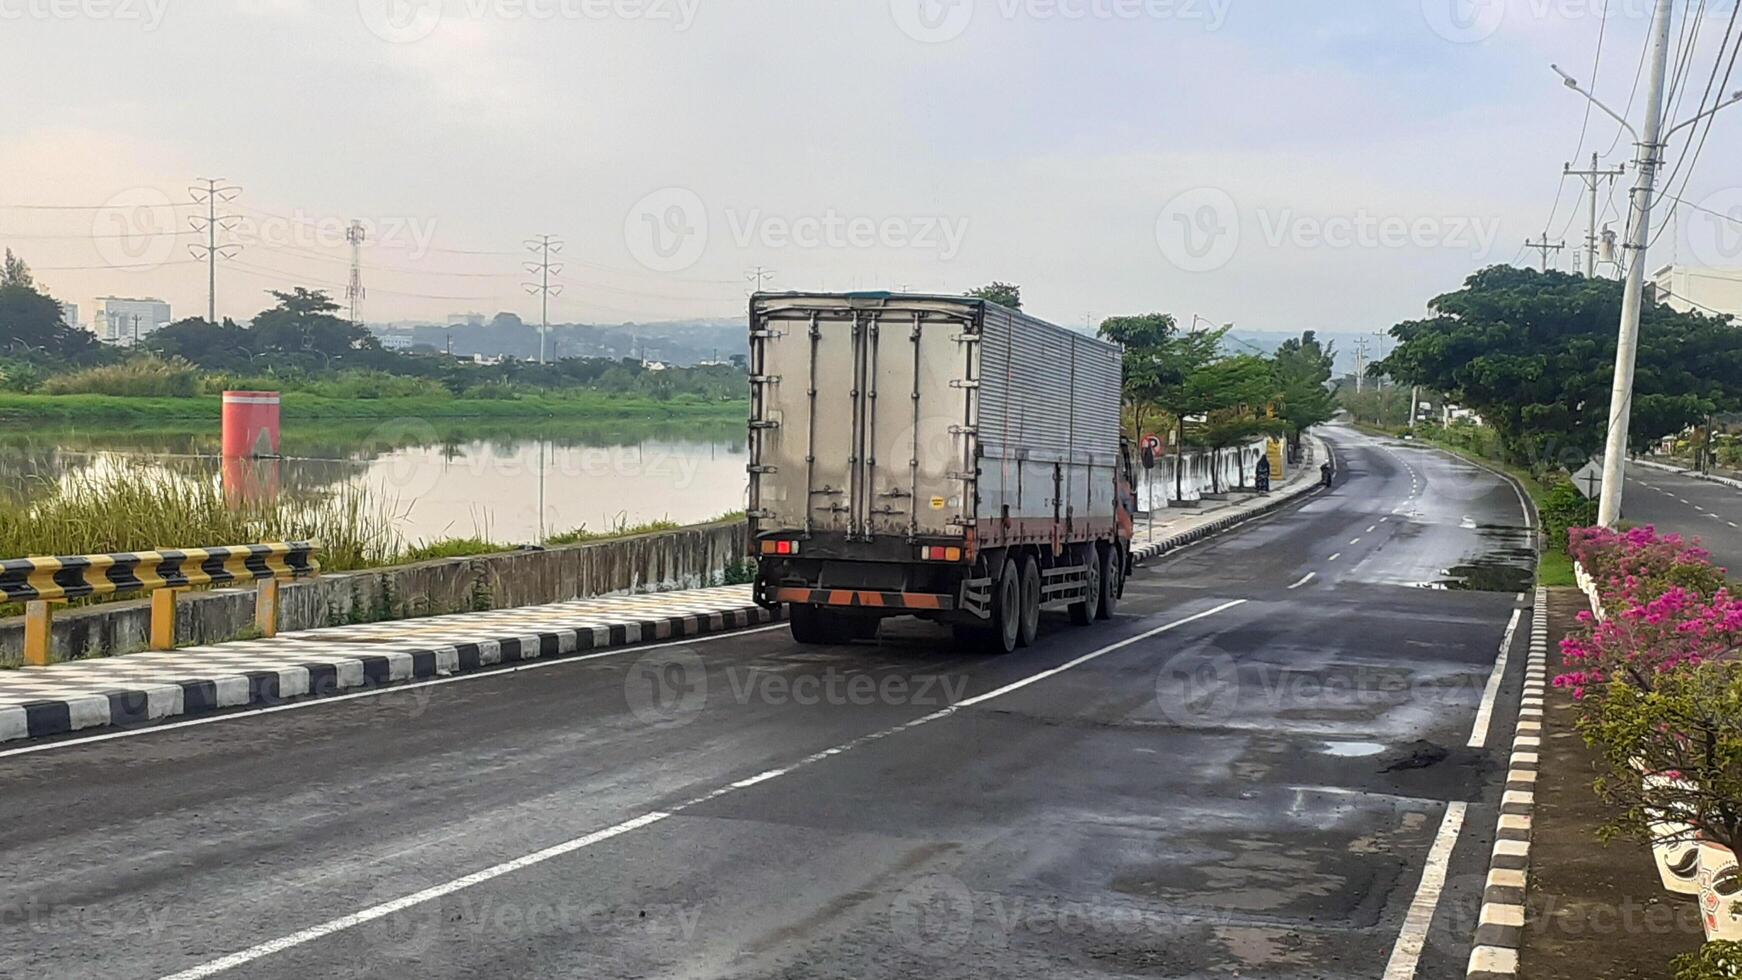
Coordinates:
[1243,776]
[1688,506]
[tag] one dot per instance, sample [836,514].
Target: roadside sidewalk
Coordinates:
[1593,912]
[1177,527]
[68,697]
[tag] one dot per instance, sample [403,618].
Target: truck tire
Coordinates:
[1006,630]
[1112,569]
[1028,628]
[1084,610]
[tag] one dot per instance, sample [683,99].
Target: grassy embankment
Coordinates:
[36,409]
[1554,567]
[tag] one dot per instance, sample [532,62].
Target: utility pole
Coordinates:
[135,330]
[1650,157]
[1593,179]
[354,290]
[759,275]
[1544,247]
[545,246]
[1361,347]
[210,192]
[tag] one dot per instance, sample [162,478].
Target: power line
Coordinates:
[1545,248]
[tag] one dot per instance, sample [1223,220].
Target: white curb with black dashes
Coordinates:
[1500,930]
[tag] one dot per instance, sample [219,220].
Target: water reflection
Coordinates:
[513,482]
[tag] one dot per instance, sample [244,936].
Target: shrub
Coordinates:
[1638,566]
[1644,643]
[1565,508]
[140,377]
[1717,961]
[20,376]
[1688,730]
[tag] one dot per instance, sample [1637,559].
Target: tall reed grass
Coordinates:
[144,510]
[141,377]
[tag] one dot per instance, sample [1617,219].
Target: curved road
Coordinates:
[1689,506]
[1246,774]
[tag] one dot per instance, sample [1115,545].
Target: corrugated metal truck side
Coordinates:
[935,456]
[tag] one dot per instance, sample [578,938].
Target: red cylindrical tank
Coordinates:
[250,424]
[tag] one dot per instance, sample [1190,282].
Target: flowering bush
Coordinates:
[1637,566]
[1680,628]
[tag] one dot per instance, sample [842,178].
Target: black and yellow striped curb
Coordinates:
[1500,929]
[81,576]
[282,683]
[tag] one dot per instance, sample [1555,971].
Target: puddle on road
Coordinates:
[1506,563]
[1353,750]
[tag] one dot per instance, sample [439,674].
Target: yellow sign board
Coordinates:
[1278,459]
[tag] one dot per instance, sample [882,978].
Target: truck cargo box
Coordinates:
[891,419]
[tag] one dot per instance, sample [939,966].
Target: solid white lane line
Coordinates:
[1406,955]
[1336,556]
[1485,714]
[345,922]
[1309,577]
[372,913]
[378,692]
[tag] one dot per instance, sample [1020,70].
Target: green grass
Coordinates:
[17,409]
[451,548]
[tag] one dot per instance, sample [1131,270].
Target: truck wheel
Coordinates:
[814,626]
[1112,567]
[1006,631]
[1029,621]
[1084,610]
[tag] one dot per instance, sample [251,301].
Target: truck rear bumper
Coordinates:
[858,599]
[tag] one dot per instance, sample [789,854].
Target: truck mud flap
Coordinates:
[853,598]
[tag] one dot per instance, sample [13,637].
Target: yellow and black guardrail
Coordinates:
[40,582]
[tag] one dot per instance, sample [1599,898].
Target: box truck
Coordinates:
[933,456]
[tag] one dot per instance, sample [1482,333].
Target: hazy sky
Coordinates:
[1276,163]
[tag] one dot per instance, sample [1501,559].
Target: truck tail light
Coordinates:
[780,547]
[938,553]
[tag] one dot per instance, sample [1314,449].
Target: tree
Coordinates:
[1303,372]
[1145,338]
[15,273]
[1002,293]
[1533,353]
[221,346]
[31,322]
[1232,393]
[304,324]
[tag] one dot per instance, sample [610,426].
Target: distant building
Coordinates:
[394,341]
[124,321]
[467,319]
[1702,290]
[69,315]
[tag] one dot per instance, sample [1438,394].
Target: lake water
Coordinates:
[513,484]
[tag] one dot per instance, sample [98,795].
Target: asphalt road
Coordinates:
[1688,506]
[1244,775]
